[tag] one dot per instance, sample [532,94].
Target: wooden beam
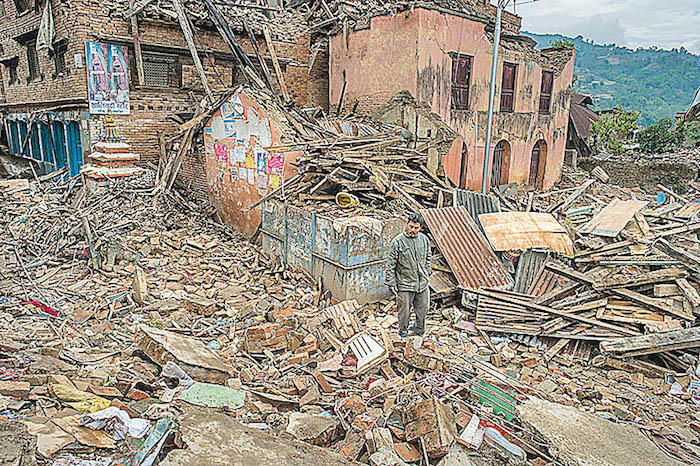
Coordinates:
[689,260]
[189,37]
[137,48]
[672,193]
[256,49]
[689,291]
[622,292]
[572,197]
[656,276]
[556,312]
[275,63]
[230,39]
[653,343]
[557,293]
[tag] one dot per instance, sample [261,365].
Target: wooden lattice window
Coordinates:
[33,61]
[160,70]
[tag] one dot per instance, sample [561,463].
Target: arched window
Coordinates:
[537,164]
[501,163]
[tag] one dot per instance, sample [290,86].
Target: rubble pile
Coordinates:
[372,169]
[117,338]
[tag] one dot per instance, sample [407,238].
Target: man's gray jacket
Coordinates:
[408,264]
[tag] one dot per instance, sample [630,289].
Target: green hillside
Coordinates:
[658,83]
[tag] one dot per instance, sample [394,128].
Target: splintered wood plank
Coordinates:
[189,38]
[657,276]
[554,350]
[556,312]
[613,218]
[653,343]
[276,64]
[689,291]
[622,292]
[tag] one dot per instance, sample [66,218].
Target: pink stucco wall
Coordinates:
[420,62]
[377,62]
[242,164]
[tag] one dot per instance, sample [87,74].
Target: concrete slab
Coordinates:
[582,439]
[217,439]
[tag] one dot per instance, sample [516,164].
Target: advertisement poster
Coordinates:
[108,78]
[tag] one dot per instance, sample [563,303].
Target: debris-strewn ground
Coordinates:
[161,336]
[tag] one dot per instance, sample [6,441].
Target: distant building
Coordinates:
[443,56]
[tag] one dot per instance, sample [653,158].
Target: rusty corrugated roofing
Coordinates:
[469,255]
[582,117]
[545,281]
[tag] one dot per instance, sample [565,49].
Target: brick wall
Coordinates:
[49,86]
[153,111]
[192,177]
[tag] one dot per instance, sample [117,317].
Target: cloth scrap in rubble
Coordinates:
[116,422]
[41,306]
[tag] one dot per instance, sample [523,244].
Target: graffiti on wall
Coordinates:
[108,78]
[236,138]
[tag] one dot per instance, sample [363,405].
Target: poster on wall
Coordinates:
[108,78]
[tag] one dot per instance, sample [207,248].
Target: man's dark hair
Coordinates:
[415,218]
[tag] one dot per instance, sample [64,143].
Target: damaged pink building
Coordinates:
[443,58]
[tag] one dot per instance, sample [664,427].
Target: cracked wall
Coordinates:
[411,51]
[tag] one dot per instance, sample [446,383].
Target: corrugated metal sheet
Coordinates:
[476,203]
[582,118]
[545,281]
[520,231]
[499,316]
[529,265]
[442,284]
[469,255]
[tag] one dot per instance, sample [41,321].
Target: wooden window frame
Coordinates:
[12,72]
[459,91]
[32,57]
[60,50]
[545,101]
[508,95]
[170,59]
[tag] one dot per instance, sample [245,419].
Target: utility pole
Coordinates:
[492,94]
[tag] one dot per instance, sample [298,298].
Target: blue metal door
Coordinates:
[75,148]
[14,137]
[58,138]
[47,151]
[23,150]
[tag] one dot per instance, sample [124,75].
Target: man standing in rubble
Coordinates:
[407,272]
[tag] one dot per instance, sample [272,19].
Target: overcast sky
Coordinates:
[633,23]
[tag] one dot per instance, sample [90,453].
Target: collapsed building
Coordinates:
[66,66]
[149,63]
[224,301]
